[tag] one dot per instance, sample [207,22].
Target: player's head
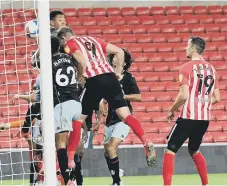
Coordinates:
[57,19]
[66,33]
[127,61]
[55,44]
[196,46]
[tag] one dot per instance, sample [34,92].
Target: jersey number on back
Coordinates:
[91,48]
[209,86]
[63,79]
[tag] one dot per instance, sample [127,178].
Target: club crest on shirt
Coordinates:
[180,77]
[67,49]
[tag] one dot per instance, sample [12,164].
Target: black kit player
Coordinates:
[67,107]
[102,82]
[116,130]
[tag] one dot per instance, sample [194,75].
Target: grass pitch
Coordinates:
[191,179]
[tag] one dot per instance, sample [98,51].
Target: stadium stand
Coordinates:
[156,37]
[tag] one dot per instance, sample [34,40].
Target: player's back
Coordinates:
[64,78]
[93,50]
[202,80]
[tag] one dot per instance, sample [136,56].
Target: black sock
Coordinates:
[114,170]
[32,172]
[78,170]
[63,163]
[107,161]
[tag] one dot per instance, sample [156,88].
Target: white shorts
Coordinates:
[37,136]
[65,113]
[119,130]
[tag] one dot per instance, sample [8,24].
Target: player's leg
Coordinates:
[115,99]
[195,140]
[64,114]
[74,137]
[176,138]
[106,140]
[78,173]
[61,144]
[118,134]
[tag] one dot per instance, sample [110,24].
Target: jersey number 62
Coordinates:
[64,79]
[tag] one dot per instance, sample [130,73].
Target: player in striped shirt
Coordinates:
[198,92]
[102,82]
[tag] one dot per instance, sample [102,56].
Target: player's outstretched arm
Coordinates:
[28,97]
[14,124]
[216,97]
[119,53]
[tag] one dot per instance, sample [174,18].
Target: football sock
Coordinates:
[114,170]
[74,136]
[33,168]
[78,170]
[201,166]
[168,168]
[107,161]
[63,163]
[136,127]
[74,139]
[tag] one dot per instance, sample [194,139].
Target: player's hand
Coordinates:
[84,135]
[95,128]
[81,81]
[170,116]
[16,96]
[4,126]
[118,75]
[103,108]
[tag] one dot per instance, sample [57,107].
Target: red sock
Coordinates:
[168,168]
[136,127]
[201,166]
[74,136]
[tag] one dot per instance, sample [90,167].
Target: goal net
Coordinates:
[20,157]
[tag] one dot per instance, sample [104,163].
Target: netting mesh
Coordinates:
[17,77]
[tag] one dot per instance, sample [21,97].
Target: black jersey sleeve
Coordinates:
[134,89]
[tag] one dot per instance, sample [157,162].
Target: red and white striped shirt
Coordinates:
[201,77]
[93,50]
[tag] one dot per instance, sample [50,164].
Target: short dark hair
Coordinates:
[199,43]
[54,13]
[55,44]
[63,31]
[128,60]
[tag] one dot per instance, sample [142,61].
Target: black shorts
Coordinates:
[102,86]
[184,129]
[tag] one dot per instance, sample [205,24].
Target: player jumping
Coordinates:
[198,92]
[115,130]
[102,82]
[67,107]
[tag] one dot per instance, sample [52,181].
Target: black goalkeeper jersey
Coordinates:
[65,86]
[129,86]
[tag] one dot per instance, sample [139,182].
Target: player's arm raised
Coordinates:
[119,53]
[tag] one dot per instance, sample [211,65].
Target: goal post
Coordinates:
[47,93]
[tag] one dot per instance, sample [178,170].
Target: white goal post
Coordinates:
[47,93]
